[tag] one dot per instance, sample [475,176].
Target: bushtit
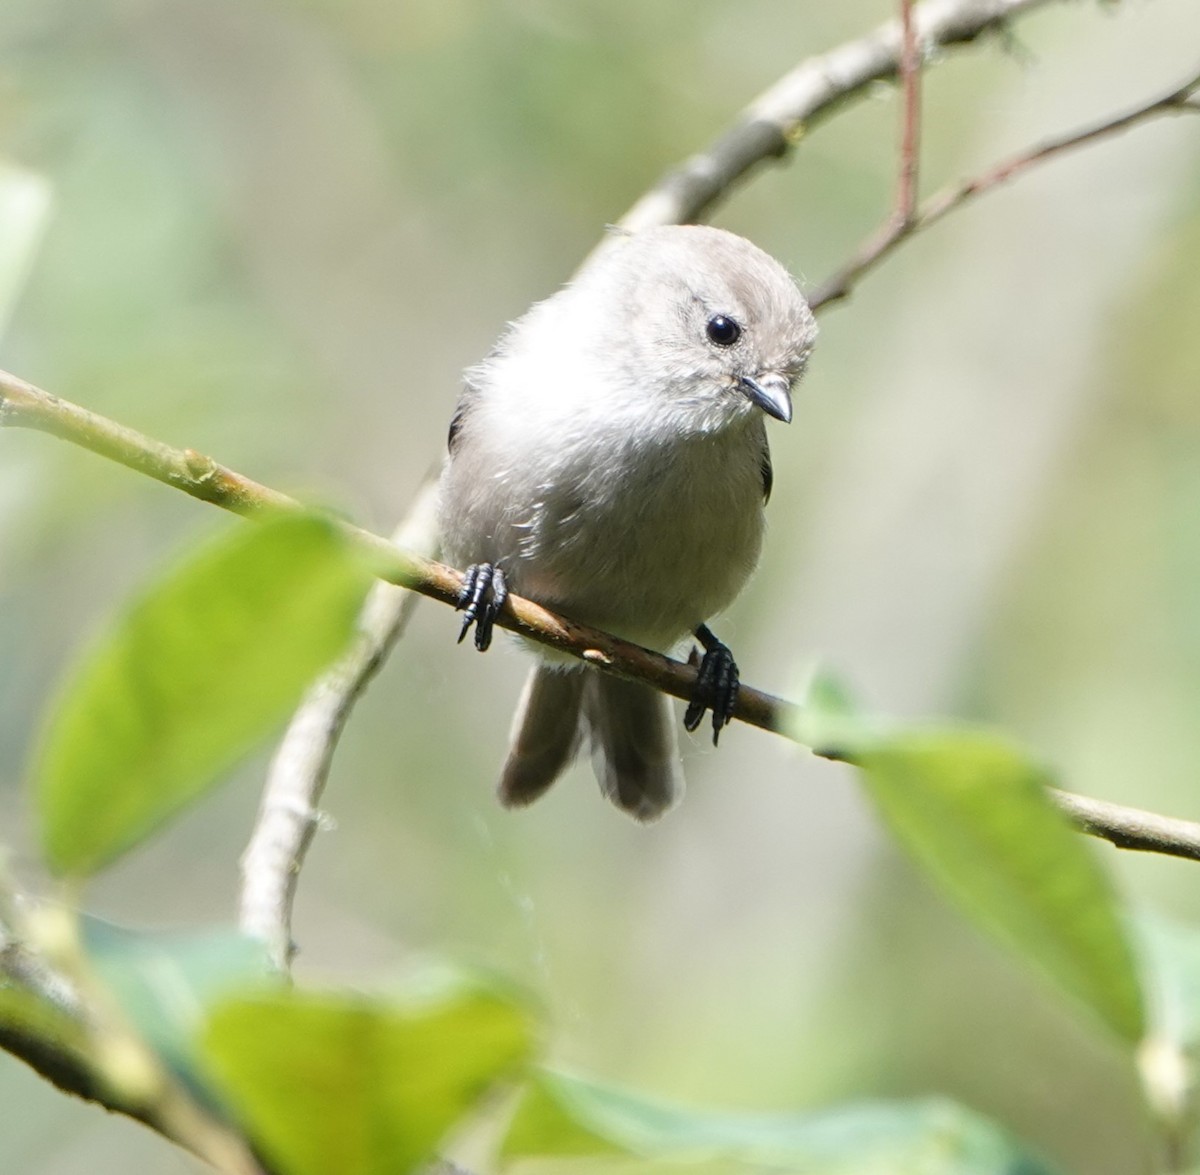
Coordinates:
[609,460]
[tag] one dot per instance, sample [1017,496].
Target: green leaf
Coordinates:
[564,1117]
[360,1086]
[972,810]
[188,680]
[165,983]
[830,721]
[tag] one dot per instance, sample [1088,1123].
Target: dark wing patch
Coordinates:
[768,474]
[456,423]
[469,393]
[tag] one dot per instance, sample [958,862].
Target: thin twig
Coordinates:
[1131,828]
[910,121]
[782,114]
[888,236]
[23,405]
[288,816]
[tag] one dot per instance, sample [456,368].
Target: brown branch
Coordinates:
[896,229]
[777,118]
[1130,828]
[23,405]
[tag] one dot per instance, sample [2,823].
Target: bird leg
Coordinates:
[716,687]
[484,591]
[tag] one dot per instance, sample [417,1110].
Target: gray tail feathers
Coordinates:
[634,753]
[545,734]
[630,732]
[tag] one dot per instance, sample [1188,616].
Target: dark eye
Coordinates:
[723,331]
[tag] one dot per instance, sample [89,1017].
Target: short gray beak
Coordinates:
[772,393]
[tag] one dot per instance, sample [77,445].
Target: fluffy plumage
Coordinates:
[608,457]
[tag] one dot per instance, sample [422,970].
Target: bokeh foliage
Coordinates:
[278,232]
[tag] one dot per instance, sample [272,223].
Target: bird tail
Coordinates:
[545,734]
[634,752]
[630,733]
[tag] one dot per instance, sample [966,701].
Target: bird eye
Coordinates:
[723,331]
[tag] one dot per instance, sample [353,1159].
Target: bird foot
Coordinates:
[483,594]
[716,687]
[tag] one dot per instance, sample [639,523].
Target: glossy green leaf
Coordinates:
[973,811]
[561,1117]
[360,1086]
[196,672]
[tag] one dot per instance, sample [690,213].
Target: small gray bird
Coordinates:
[609,460]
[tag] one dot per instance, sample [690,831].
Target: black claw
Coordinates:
[483,594]
[716,687]
[468,598]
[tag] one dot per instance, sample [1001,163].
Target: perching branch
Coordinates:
[23,405]
[897,228]
[778,117]
[288,815]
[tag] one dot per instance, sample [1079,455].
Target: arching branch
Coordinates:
[777,119]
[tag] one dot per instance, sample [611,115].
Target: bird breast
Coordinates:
[643,536]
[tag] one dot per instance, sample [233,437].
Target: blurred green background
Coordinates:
[277,231]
